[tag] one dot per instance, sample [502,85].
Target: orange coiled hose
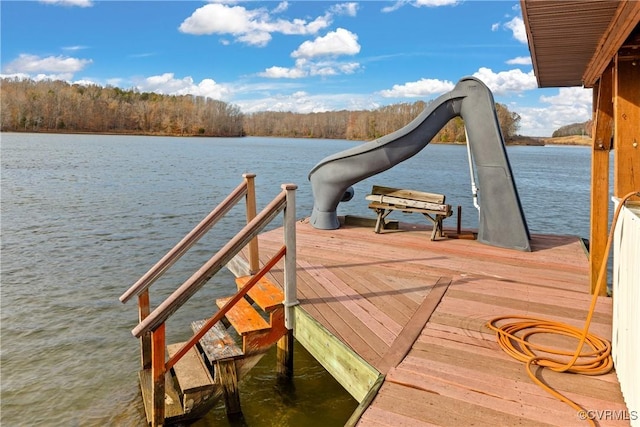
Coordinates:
[514,335]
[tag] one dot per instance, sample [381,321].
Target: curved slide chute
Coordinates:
[502,222]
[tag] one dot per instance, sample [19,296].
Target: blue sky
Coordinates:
[302,56]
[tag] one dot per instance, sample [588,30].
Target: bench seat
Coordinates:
[385,200]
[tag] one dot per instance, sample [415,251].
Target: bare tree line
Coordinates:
[583,129]
[56,106]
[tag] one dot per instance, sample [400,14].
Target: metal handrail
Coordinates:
[187,242]
[181,295]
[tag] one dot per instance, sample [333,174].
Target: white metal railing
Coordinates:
[626,307]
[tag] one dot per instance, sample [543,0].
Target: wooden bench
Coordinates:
[384,200]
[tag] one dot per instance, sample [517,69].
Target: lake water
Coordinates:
[84,216]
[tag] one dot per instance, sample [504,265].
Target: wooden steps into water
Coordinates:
[196,380]
[258,331]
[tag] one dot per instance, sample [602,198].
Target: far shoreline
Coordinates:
[520,140]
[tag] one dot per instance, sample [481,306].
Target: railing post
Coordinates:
[290,292]
[284,349]
[254,261]
[157,376]
[145,341]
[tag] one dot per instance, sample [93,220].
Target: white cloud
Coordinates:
[305,67]
[15,76]
[303,102]
[570,105]
[419,3]
[115,82]
[349,9]
[255,38]
[435,3]
[575,96]
[70,3]
[283,72]
[85,82]
[281,7]
[397,5]
[250,26]
[222,19]
[421,88]
[338,42]
[503,82]
[516,25]
[334,43]
[495,26]
[74,48]
[38,77]
[31,64]
[167,84]
[519,60]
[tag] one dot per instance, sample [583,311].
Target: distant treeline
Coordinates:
[582,129]
[57,106]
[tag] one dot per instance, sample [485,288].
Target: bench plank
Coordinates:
[407,203]
[408,194]
[384,200]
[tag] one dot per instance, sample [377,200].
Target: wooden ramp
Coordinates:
[416,310]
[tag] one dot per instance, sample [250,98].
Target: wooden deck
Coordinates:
[416,310]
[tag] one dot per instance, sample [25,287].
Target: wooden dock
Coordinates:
[415,312]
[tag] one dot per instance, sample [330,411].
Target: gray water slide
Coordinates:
[502,222]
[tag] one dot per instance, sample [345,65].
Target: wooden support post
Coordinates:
[626,107]
[284,357]
[254,256]
[145,340]
[290,272]
[157,376]
[603,128]
[228,378]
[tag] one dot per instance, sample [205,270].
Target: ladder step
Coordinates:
[191,372]
[265,294]
[243,317]
[217,344]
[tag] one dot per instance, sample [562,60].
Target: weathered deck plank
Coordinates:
[365,288]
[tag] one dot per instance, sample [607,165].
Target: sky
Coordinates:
[300,56]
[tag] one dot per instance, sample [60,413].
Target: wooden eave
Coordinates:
[572,42]
[622,36]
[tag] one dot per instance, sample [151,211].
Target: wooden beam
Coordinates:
[622,25]
[365,403]
[254,262]
[228,378]
[284,357]
[626,108]
[412,330]
[347,367]
[603,128]
[145,340]
[157,376]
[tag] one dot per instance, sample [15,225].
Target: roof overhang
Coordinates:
[572,42]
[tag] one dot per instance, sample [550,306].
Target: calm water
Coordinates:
[84,216]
